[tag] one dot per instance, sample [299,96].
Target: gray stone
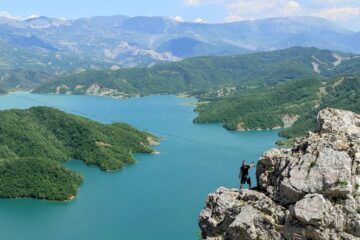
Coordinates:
[312,190]
[252,224]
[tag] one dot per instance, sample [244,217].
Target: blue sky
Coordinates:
[344,12]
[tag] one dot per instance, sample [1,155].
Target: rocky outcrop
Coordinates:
[97,90]
[311,191]
[91,90]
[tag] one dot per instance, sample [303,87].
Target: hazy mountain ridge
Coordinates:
[92,37]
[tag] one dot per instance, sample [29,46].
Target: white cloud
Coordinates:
[178,19]
[253,9]
[341,14]
[199,20]
[338,2]
[5,14]
[238,18]
[193,2]
[32,16]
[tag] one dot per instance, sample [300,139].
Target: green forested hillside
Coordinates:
[42,134]
[22,78]
[341,94]
[203,74]
[37,178]
[271,108]
[264,108]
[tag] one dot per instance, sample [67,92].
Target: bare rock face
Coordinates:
[242,215]
[311,191]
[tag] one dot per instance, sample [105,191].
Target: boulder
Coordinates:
[315,210]
[241,214]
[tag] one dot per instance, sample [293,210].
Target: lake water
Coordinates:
[160,197]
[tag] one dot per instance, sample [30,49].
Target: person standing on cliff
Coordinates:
[244,174]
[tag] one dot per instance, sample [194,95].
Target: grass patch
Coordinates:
[286,143]
[342,183]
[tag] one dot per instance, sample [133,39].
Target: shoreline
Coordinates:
[181,96]
[69,199]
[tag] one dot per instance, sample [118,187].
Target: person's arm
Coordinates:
[240,173]
[252,164]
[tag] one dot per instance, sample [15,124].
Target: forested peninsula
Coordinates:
[34,144]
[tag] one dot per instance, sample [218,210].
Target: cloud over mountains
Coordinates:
[344,12]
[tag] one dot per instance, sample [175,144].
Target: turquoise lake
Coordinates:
[159,197]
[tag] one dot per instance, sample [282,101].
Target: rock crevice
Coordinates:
[311,191]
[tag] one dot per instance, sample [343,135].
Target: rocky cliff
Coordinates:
[309,192]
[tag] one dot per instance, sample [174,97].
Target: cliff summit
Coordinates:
[311,191]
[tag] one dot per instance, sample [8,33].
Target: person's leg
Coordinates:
[249,182]
[242,183]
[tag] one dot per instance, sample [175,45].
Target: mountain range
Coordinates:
[142,41]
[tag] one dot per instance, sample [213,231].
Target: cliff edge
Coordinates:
[311,191]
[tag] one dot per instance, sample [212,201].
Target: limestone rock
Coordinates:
[312,190]
[315,210]
[339,122]
[245,214]
[252,224]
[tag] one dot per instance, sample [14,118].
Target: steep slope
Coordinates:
[292,105]
[25,49]
[189,47]
[311,191]
[276,107]
[34,143]
[19,79]
[203,74]
[27,61]
[342,93]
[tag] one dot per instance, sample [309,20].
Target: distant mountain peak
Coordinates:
[35,17]
[43,22]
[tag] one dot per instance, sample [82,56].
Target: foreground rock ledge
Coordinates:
[311,191]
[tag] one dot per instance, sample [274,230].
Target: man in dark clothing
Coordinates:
[244,174]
